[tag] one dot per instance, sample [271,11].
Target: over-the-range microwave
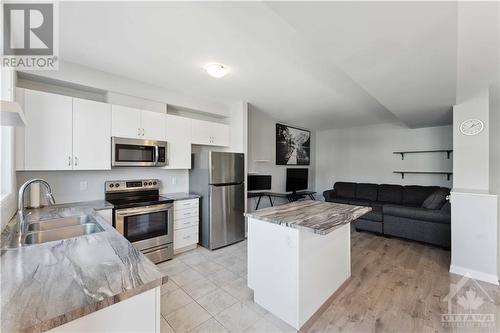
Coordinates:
[138,152]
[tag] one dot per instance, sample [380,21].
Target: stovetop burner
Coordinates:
[138,201]
[134,193]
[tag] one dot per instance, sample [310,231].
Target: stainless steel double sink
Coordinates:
[43,231]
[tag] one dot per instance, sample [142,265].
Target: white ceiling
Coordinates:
[319,65]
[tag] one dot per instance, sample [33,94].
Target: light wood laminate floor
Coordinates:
[396,286]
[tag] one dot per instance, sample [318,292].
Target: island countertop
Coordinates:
[315,216]
[47,285]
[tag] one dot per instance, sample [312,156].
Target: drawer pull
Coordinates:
[186,223]
[187,237]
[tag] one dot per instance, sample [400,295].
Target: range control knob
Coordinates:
[154,183]
[117,185]
[111,185]
[145,183]
[150,183]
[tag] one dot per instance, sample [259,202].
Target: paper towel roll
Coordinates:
[35,195]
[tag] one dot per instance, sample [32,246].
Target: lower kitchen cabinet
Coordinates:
[140,313]
[186,224]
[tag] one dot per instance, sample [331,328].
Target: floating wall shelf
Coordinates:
[402,153]
[261,161]
[447,173]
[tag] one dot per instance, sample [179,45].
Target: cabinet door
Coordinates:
[201,132]
[153,125]
[91,135]
[220,134]
[179,142]
[125,122]
[48,132]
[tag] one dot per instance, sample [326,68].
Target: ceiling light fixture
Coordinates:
[216,70]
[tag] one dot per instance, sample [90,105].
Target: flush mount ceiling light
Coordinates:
[216,70]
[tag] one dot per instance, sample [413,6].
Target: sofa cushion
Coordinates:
[345,189]
[340,200]
[415,195]
[390,193]
[375,215]
[437,199]
[359,202]
[367,191]
[417,213]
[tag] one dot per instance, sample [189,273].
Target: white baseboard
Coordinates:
[476,275]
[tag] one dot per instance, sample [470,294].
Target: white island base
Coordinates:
[293,272]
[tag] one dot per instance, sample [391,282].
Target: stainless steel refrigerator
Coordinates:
[220,179]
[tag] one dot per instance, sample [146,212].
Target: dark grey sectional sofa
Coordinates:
[420,213]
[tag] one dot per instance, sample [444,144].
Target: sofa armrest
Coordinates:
[329,195]
[418,213]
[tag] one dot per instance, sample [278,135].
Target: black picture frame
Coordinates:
[293,145]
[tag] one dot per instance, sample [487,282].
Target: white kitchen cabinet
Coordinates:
[153,125]
[220,136]
[48,131]
[126,122]
[209,133]
[186,224]
[62,133]
[140,313]
[91,135]
[137,124]
[179,142]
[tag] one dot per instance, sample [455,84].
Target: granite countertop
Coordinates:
[47,285]
[315,216]
[181,196]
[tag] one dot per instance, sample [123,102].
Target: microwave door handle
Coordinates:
[157,153]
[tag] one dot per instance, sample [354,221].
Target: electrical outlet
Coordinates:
[174,180]
[83,186]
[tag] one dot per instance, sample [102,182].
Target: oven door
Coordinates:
[147,227]
[135,152]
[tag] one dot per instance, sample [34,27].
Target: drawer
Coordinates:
[185,223]
[186,204]
[185,237]
[186,213]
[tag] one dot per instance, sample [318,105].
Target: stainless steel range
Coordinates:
[143,216]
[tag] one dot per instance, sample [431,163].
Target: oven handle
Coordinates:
[141,210]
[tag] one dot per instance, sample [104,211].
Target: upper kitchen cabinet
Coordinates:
[209,133]
[48,131]
[153,125]
[137,124]
[179,142]
[91,135]
[125,122]
[62,133]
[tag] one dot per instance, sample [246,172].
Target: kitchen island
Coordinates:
[299,255]
[97,282]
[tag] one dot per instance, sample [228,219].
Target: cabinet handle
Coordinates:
[69,160]
[187,237]
[76,161]
[143,131]
[138,131]
[186,223]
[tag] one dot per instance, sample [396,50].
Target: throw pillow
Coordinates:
[436,200]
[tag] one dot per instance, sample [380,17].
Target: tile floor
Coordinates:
[207,292]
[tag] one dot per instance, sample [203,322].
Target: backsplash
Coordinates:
[74,186]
